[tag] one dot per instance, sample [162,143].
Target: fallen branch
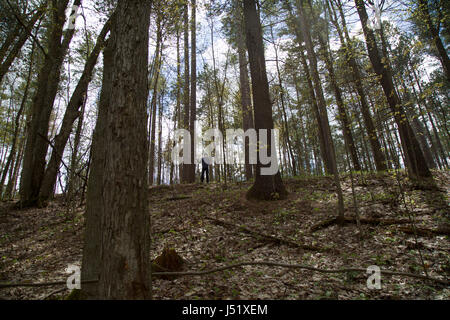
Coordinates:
[45,297]
[177,198]
[39,284]
[259,234]
[243,264]
[426,232]
[164,231]
[297,266]
[372,221]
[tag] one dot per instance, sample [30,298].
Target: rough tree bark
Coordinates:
[266,187]
[117,240]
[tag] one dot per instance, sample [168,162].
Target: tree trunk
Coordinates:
[186,93]
[343,117]
[244,85]
[266,187]
[303,25]
[415,161]
[11,186]
[380,160]
[5,63]
[122,262]
[329,145]
[74,161]
[9,40]
[177,113]
[33,168]
[17,123]
[193,97]
[436,134]
[160,115]
[283,108]
[418,128]
[156,74]
[72,113]
[434,32]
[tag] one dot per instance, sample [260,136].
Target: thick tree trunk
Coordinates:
[266,187]
[415,161]
[122,261]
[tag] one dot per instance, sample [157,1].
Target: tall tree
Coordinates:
[17,122]
[117,240]
[244,83]
[186,93]
[193,97]
[415,160]
[349,52]
[155,81]
[6,61]
[48,80]
[433,31]
[266,187]
[303,33]
[282,99]
[343,116]
[72,112]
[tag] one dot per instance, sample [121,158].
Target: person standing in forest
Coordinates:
[206,161]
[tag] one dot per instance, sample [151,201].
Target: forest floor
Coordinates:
[212,226]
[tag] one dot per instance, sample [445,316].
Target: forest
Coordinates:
[224,150]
